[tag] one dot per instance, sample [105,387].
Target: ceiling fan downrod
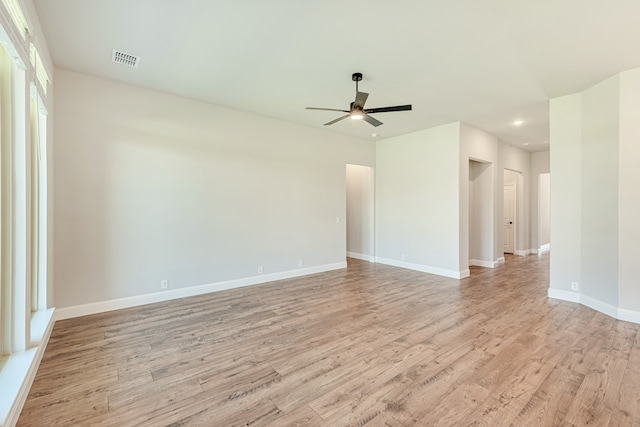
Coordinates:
[356,77]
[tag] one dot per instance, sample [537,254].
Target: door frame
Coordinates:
[514,215]
[517,178]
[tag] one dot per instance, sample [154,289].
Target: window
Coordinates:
[24,317]
[19,21]
[35,199]
[38,204]
[23,175]
[5,176]
[41,73]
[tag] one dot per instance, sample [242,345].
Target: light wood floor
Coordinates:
[370,345]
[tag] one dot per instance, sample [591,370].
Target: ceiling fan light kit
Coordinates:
[357,111]
[356,115]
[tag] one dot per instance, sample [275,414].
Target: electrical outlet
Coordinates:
[300,263]
[260,269]
[575,286]
[164,284]
[337,220]
[402,257]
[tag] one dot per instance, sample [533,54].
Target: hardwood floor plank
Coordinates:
[384,366]
[595,399]
[582,354]
[626,411]
[550,403]
[374,408]
[318,385]
[259,413]
[157,393]
[56,410]
[303,416]
[460,402]
[433,384]
[372,345]
[505,363]
[301,386]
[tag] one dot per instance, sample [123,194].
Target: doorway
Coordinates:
[481,214]
[360,212]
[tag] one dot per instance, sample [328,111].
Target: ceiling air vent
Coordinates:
[125,58]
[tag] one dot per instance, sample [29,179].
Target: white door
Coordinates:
[509,207]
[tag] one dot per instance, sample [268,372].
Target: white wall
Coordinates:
[629,195]
[595,203]
[565,122]
[424,182]
[360,208]
[151,186]
[540,164]
[510,177]
[599,203]
[543,212]
[417,200]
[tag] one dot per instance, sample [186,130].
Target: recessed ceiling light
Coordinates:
[525,143]
[518,122]
[373,135]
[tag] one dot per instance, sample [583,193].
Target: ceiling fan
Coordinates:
[357,111]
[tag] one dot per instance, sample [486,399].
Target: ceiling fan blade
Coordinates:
[361,98]
[388,109]
[367,118]
[337,120]
[325,109]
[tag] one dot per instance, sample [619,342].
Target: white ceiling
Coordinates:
[485,62]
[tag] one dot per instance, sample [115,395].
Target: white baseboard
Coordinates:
[542,249]
[600,306]
[17,375]
[603,307]
[501,260]
[523,253]
[119,303]
[563,295]
[424,268]
[363,257]
[629,315]
[482,263]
